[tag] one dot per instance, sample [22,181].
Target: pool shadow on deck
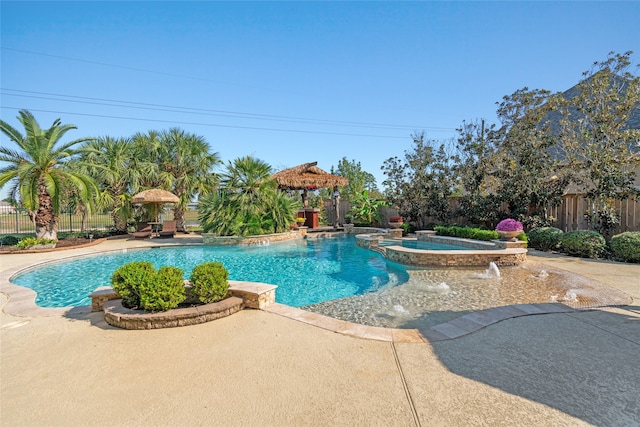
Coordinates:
[84,314]
[583,363]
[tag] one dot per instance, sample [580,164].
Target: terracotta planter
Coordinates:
[395,224]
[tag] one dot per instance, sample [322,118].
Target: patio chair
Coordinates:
[144,231]
[168,229]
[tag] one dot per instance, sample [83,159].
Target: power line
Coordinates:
[209,124]
[212,112]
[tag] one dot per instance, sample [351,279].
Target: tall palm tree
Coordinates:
[109,161]
[187,159]
[39,170]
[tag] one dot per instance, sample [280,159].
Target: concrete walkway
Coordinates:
[263,369]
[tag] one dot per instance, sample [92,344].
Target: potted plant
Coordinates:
[300,220]
[395,221]
[509,229]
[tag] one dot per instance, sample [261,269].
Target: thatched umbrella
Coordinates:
[306,177]
[156,197]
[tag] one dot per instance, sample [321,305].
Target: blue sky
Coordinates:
[294,82]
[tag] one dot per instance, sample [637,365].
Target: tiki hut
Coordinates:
[307,177]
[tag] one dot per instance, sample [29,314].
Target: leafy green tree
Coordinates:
[597,139]
[359,180]
[39,170]
[530,177]
[420,184]
[247,203]
[473,166]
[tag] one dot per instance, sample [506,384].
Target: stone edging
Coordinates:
[443,258]
[117,315]
[54,249]
[259,240]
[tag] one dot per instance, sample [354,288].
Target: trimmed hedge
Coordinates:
[166,292]
[128,279]
[545,238]
[583,243]
[466,232]
[209,282]
[626,246]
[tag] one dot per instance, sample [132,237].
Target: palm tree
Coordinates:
[187,160]
[40,173]
[109,161]
[248,202]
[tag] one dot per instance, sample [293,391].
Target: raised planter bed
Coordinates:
[117,315]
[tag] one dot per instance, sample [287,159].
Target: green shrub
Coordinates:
[166,292]
[130,278]
[27,242]
[523,238]
[209,282]
[9,240]
[583,243]
[626,246]
[466,232]
[545,238]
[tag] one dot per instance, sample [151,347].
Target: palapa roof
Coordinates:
[155,195]
[307,176]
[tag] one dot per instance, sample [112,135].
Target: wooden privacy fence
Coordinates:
[569,214]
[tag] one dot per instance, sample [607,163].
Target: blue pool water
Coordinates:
[306,271]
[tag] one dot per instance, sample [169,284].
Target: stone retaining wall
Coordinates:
[263,239]
[117,315]
[480,254]
[467,258]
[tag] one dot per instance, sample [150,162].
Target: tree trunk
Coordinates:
[119,223]
[45,220]
[178,215]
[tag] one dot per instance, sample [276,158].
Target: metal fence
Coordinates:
[19,222]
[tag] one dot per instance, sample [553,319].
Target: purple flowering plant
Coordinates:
[509,224]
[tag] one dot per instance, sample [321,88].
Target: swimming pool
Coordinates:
[305,271]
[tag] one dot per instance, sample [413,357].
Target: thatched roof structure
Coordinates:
[155,195]
[307,176]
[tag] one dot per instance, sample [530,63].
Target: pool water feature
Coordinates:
[305,271]
[437,295]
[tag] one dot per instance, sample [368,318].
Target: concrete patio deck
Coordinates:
[262,368]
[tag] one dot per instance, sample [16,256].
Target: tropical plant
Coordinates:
[28,242]
[40,170]
[366,208]
[248,202]
[187,159]
[110,162]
